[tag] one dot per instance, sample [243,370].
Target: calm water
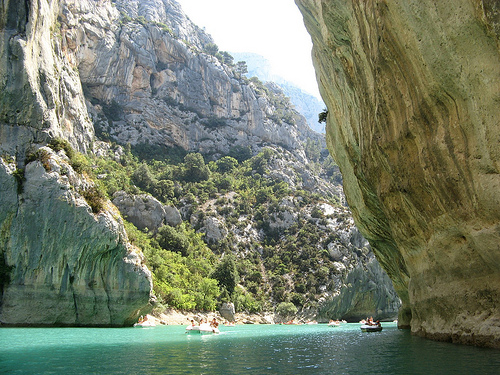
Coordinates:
[244,349]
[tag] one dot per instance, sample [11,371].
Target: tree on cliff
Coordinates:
[226,274]
[211,49]
[241,68]
[194,168]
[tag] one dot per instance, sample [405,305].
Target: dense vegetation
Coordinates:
[190,272]
[258,264]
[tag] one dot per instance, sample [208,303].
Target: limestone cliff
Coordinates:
[412,89]
[60,263]
[148,78]
[138,72]
[67,265]
[41,94]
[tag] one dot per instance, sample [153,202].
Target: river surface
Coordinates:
[244,349]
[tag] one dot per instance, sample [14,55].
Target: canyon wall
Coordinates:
[138,72]
[60,262]
[412,90]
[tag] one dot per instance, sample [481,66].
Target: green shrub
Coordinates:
[169,238]
[95,197]
[286,309]
[58,144]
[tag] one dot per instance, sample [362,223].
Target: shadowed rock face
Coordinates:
[413,93]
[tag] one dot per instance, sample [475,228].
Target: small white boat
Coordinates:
[202,329]
[371,328]
[146,323]
[334,324]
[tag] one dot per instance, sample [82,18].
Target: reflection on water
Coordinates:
[247,349]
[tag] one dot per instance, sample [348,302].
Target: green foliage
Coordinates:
[143,177]
[95,197]
[19,176]
[241,68]
[80,163]
[113,110]
[226,164]
[164,28]
[322,116]
[260,162]
[5,271]
[227,58]
[58,144]
[226,274]
[194,168]
[286,309]
[246,302]
[181,282]
[240,153]
[313,149]
[142,20]
[236,186]
[211,49]
[169,238]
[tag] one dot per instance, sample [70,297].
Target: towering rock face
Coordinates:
[412,90]
[41,94]
[60,264]
[138,71]
[144,69]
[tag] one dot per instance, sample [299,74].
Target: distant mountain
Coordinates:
[306,104]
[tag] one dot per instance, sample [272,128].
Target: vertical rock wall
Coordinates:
[60,264]
[412,89]
[40,91]
[63,264]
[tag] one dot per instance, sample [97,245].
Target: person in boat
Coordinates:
[141,319]
[214,323]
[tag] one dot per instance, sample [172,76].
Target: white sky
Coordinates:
[271,28]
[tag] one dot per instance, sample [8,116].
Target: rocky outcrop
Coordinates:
[145,211]
[412,93]
[227,311]
[65,265]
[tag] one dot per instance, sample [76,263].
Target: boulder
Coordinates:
[227,311]
[145,211]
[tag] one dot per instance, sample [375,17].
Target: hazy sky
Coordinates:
[271,28]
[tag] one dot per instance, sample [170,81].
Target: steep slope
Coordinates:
[143,76]
[412,91]
[308,105]
[156,83]
[167,89]
[60,263]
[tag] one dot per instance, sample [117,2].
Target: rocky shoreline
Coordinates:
[174,317]
[226,314]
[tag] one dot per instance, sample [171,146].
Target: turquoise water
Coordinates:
[244,349]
